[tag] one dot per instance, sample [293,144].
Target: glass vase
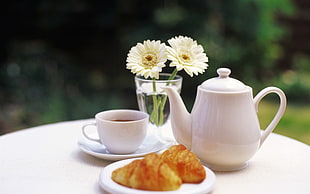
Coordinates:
[153,100]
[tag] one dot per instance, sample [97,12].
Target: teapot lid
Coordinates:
[223,83]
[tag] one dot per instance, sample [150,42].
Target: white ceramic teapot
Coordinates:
[223,128]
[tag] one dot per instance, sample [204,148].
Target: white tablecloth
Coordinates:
[46,159]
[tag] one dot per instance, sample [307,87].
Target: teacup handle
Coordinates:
[278,115]
[86,135]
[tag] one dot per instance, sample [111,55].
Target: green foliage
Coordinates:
[246,36]
[296,81]
[39,89]
[294,123]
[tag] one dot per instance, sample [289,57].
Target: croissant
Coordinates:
[184,163]
[149,173]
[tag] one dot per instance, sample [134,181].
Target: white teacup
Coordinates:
[120,131]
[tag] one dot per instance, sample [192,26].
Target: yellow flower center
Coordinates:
[185,57]
[149,59]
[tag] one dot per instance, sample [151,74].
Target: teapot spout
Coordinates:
[180,118]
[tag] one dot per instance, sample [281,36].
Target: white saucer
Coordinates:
[149,145]
[109,185]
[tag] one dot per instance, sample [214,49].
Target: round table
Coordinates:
[47,159]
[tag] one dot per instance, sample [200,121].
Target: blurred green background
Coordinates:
[65,60]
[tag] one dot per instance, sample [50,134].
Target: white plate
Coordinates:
[149,145]
[109,185]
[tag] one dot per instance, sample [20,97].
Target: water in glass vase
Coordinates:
[156,105]
[153,100]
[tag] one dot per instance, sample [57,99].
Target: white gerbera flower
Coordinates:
[186,54]
[147,59]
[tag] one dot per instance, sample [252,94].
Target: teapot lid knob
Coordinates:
[223,72]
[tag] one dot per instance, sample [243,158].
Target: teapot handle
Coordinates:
[278,115]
